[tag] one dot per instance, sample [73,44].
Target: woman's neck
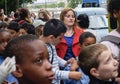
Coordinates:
[69,32]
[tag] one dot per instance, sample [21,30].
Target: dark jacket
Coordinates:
[97,81]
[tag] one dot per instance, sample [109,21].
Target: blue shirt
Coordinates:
[84,79]
[69,54]
[10,77]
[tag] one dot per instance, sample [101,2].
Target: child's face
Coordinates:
[22,32]
[4,38]
[57,40]
[108,67]
[13,33]
[88,41]
[35,67]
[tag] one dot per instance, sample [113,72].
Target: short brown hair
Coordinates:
[88,58]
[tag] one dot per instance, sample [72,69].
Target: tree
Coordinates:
[61,4]
[73,3]
[12,5]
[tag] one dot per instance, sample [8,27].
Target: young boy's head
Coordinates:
[26,28]
[54,30]
[86,38]
[97,61]
[5,36]
[32,65]
[13,28]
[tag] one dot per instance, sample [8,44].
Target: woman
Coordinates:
[69,45]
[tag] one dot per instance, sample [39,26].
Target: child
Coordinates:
[97,62]
[5,36]
[85,39]
[53,31]
[26,28]
[39,25]
[13,28]
[32,65]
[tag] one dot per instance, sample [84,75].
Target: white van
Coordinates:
[97,18]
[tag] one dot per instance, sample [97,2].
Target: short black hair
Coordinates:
[54,27]
[29,28]
[83,20]
[15,47]
[113,5]
[13,26]
[85,35]
[3,30]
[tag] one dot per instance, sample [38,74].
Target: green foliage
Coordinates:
[73,3]
[61,4]
[51,5]
[12,5]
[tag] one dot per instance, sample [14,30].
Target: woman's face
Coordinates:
[69,19]
[41,15]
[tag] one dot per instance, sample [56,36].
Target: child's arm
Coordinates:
[75,75]
[74,66]
[71,61]
[61,74]
[61,62]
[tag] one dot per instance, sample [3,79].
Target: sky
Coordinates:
[48,1]
[43,1]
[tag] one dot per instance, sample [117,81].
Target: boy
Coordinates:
[5,36]
[97,62]
[13,28]
[32,65]
[53,31]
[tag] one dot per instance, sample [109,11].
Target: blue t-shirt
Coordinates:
[69,54]
[84,79]
[10,77]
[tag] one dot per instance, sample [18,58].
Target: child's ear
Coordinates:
[94,72]
[51,36]
[18,72]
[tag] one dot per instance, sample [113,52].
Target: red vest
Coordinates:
[61,48]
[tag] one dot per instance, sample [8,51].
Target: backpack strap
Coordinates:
[113,39]
[52,52]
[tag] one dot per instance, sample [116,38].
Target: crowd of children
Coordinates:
[45,50]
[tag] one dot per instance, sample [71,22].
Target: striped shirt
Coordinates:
[57,61]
